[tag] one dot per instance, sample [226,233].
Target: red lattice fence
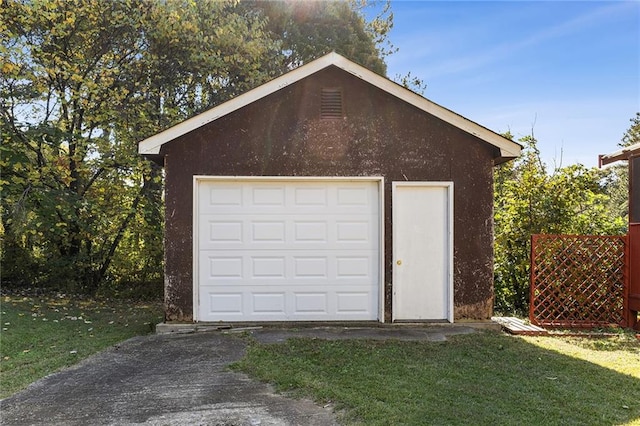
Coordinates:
[577,281]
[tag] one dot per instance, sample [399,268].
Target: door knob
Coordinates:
[399,262]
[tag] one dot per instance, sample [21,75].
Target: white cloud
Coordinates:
[455,48]
[573,132]
[486,68]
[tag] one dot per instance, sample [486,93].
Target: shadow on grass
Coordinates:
[483,378]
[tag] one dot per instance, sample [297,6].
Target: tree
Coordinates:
[62,85]
[618,174]
[311,29]
[529,200]
[83,81]
[632,135]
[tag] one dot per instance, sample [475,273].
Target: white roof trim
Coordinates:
[621,154]
[152,145]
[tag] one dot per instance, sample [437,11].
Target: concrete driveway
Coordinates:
[174,379]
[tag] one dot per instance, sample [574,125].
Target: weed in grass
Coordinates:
[43,334]
[483,378]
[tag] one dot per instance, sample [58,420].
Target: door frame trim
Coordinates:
[197,179]
[449,285]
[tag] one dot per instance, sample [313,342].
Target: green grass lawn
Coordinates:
[44,334]
[486,378]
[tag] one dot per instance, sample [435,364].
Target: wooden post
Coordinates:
[532,280]
[633,298]
[633,260]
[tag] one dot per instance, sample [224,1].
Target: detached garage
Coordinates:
[328,194]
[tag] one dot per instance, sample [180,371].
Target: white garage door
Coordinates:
[275,250]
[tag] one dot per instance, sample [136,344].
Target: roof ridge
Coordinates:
[508,148]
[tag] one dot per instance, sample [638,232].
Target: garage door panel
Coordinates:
[351,195]
[353,302]
[268,267]
[280,303]
[307,302]
[287,250]
[311,231]
[273,303]
[309,195]
[302,198]
[328,232]
[226,303]
[261,267]
[225,231]
[307,267]
[223,268]
[220,196]
[353,231]
[267,195]
[267,231]
[352,267]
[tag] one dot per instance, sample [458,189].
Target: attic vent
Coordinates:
[331,104]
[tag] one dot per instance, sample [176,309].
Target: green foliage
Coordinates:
[617,183]
[309,29]
[83,81]
[529,200]
[412,82]
[632,135]
[65,202]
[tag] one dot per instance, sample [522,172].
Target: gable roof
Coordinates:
[508,149]
[622,154]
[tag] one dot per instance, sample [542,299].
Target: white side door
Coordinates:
[422,251]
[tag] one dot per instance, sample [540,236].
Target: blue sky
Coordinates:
[568,70]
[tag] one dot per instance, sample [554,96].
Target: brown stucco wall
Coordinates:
[282,135]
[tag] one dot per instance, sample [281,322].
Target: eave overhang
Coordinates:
[622,154]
